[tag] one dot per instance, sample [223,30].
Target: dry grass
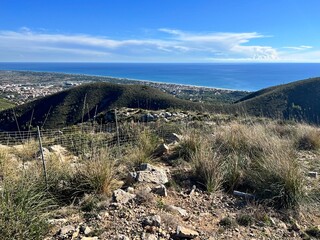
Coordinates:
[142,150]
[98,174]
[308,138]
[27,151]
[208,167]
[188,146]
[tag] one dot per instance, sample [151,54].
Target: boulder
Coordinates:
[151,174]
[122,197]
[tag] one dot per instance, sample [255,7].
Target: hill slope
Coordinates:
[4,104]
[70,106]
[298,100]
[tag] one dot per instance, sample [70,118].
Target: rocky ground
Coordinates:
[159,200]
[150,206]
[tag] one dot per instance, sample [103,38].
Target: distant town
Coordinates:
[21,87]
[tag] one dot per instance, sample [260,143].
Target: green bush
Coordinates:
[227,222]
[245,220]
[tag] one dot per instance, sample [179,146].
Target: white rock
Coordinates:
[122,197]
[313,174]
[180,210]
[66,230]
[185,233]
[151,174]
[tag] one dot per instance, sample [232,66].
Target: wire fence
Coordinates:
[80,139]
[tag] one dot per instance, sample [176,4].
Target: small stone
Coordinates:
[123,237]
[313,174]
[282,225]
[295,227]
[66,230]
[150,237]
[161,150]
[130,190]
[87,230]
[152,221]
[185,233]
[92,238]
[180,210]
[272,221]
[160,190]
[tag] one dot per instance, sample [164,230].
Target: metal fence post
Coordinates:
[42,157]
[117,130]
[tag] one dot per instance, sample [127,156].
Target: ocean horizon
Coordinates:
[237,76]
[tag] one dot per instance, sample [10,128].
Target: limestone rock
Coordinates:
[185,233]
[179,210]
[122,197]
[151,174]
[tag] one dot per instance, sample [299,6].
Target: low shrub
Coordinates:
[227,222]
[245,220]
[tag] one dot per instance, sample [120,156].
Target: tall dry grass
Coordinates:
[208,167]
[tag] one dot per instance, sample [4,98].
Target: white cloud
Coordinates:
[169,45]
[299,48]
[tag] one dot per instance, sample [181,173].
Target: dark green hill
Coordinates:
[297,101]
[70,106]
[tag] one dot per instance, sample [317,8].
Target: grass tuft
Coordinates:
[23,208]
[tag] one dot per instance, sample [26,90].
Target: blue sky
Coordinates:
[160,30]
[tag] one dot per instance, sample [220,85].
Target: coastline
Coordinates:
[208,88]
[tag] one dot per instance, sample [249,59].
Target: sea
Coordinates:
[236,76]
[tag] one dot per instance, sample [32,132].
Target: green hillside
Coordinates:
[71,106]
[4,104]
[297,101]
